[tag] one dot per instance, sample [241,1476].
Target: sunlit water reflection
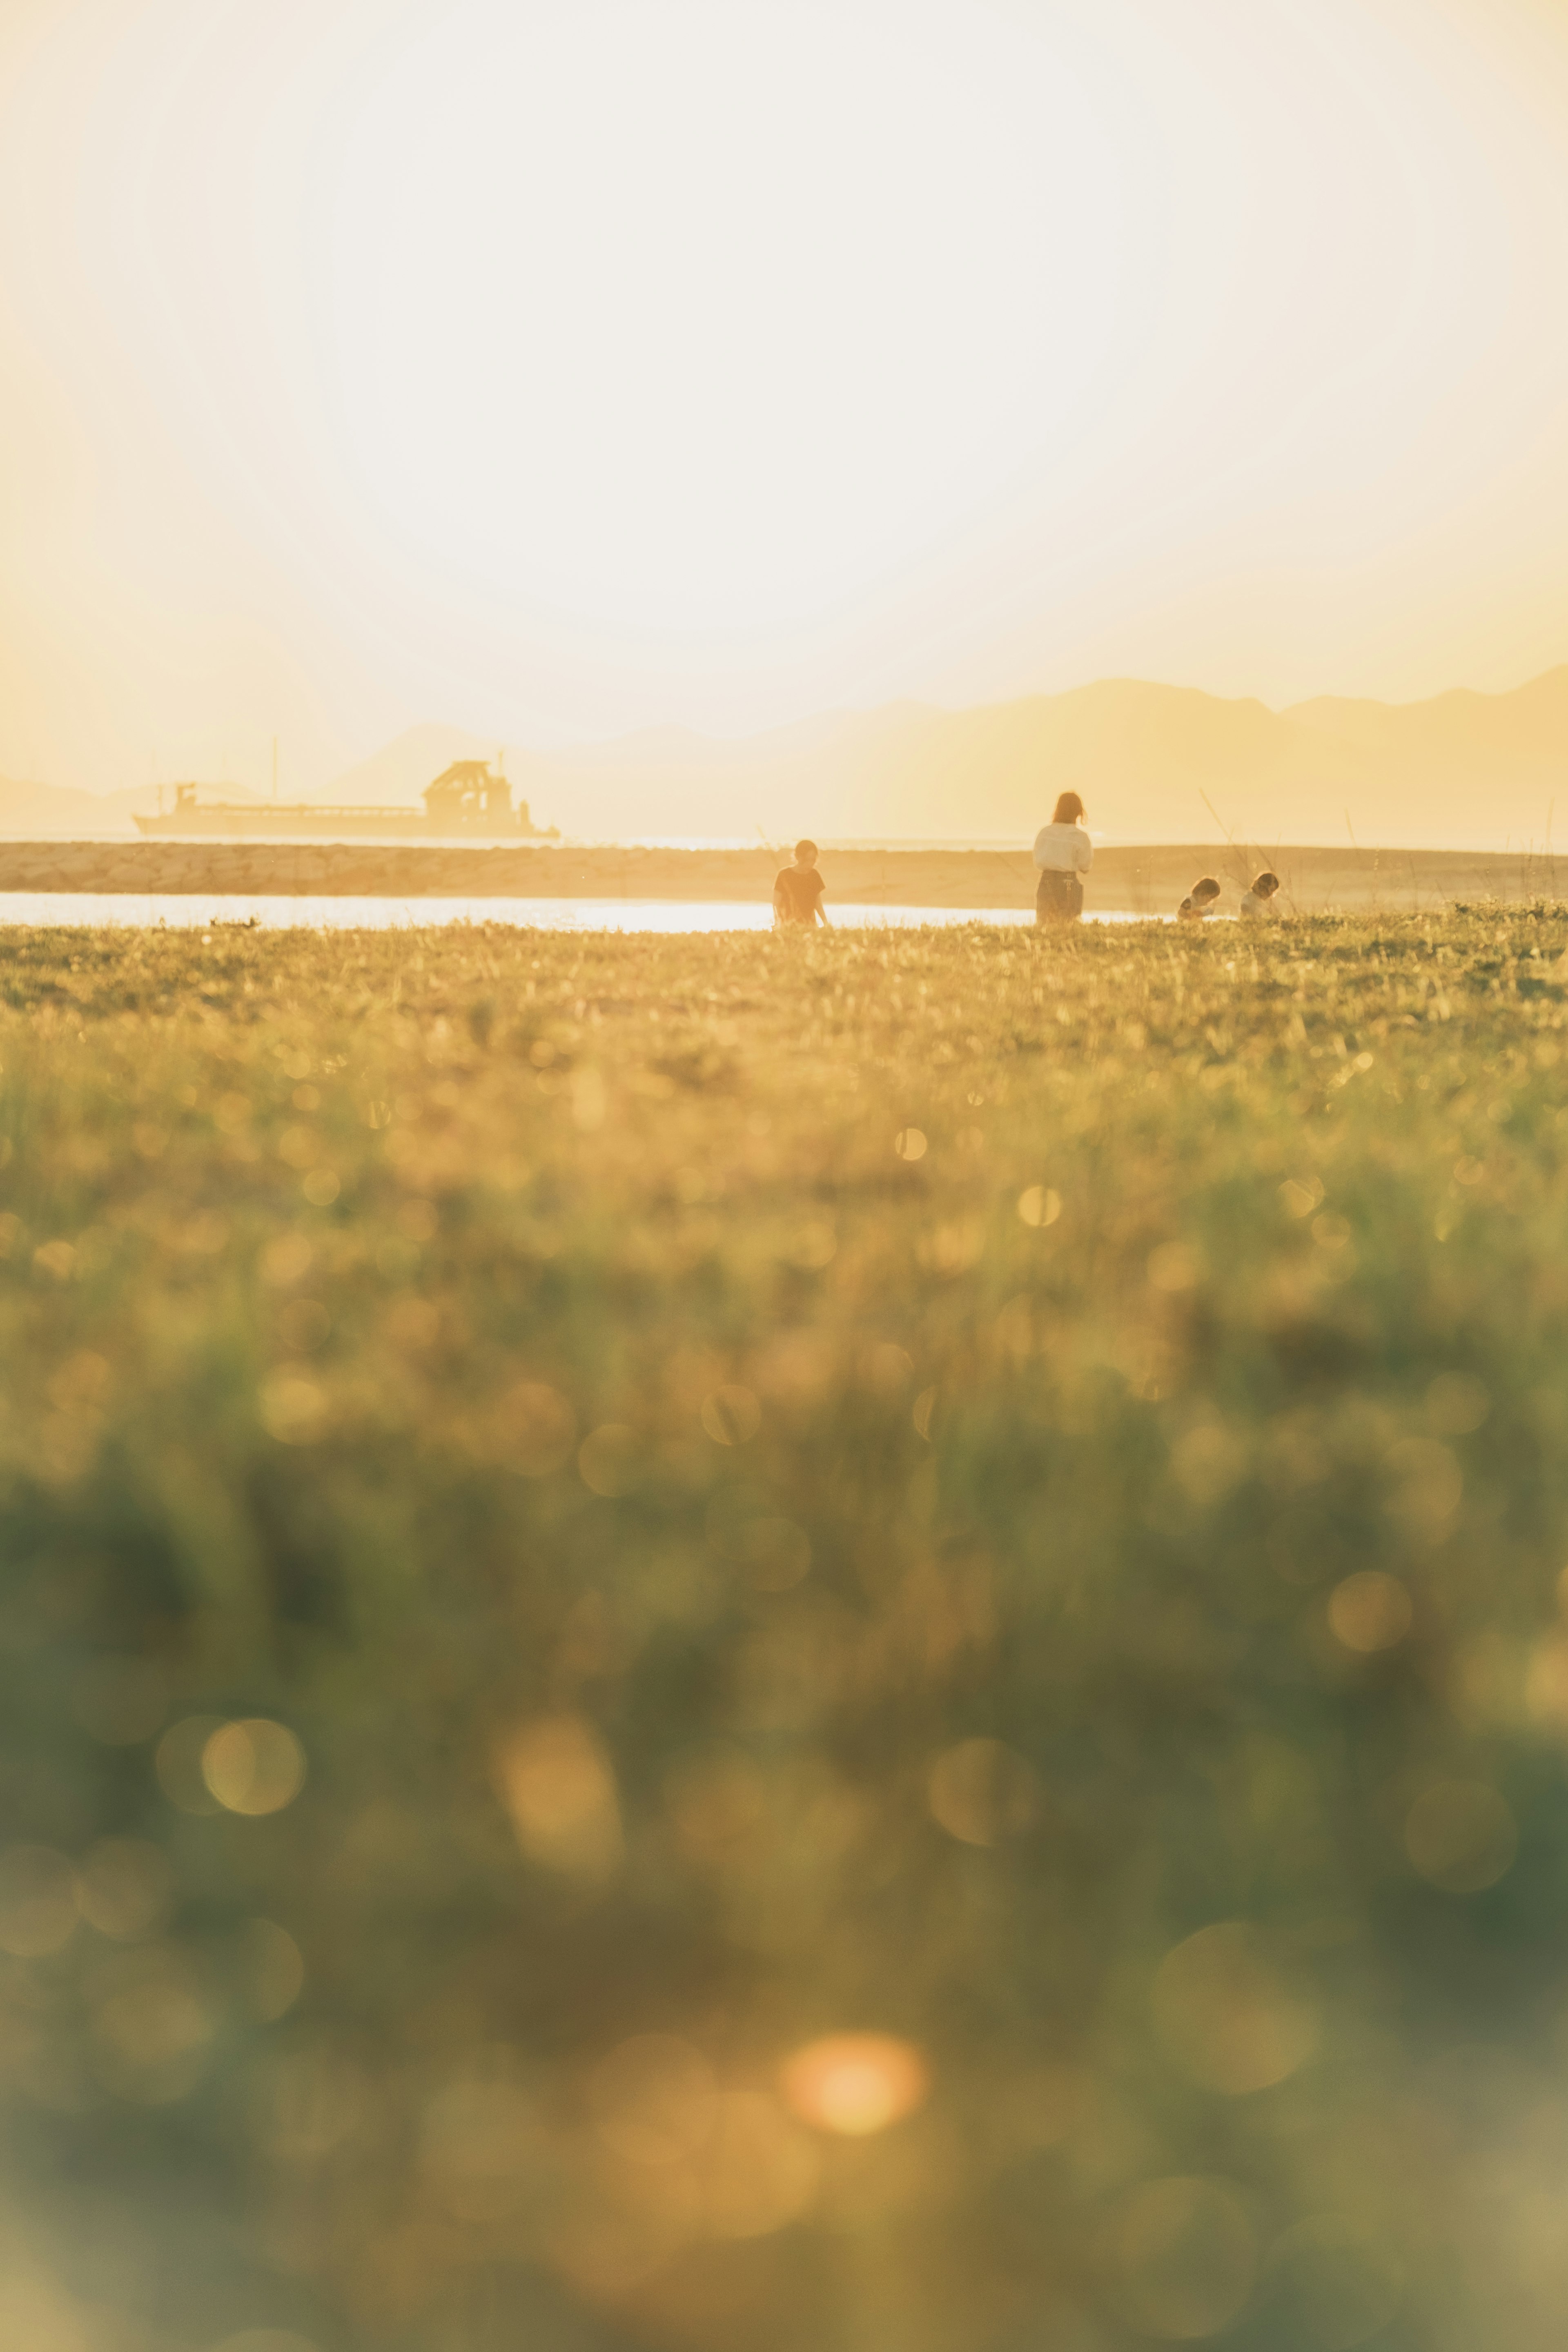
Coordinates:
[198,911]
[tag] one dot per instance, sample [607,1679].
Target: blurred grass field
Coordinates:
[848,1643]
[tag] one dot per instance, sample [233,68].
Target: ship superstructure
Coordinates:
[468,801]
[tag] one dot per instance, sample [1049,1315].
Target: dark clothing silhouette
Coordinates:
[1058,898]
[798,889]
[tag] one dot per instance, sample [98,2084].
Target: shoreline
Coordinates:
[1134,880]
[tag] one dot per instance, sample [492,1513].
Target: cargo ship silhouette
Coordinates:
[466,801]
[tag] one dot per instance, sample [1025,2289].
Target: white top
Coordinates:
[1063,849]
[1251,904]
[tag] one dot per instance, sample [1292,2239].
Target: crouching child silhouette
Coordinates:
[797,891]
[1199,900]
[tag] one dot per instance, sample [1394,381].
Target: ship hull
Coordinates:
[264,822]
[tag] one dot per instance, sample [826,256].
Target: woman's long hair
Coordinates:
[1069,810]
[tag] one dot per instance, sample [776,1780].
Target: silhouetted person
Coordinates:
[797,892]
[1260,900]
[1063,851]
[1199,901]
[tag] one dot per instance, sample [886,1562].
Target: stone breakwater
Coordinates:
[509,870]
[1136,880]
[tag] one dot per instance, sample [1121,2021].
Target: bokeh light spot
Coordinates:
[254,1767]
[152,2028]
[556,1783]
[177,1762]
[1175,1268]
[37,1901]
[485,2149]
[759,2169]
[287,1259]
[610,1459]
[1370,1612]
[293,1408]
[981,1791]
[1457,1405]
[303,1324]
[1460,1836]
[1546,1684]
[535,1429]
[1425,1485]
[125,1887]
[854,2083]
[731,1415]
[811,1246]
[1227,2015]
[1039,1205]
[718,1805]
[1183,2258]
[271,1969]
[653,2099]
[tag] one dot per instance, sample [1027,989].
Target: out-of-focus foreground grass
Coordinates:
[847,1643]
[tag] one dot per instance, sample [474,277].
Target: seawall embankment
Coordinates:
[1137,881]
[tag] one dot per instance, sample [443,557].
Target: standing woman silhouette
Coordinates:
[1063,851]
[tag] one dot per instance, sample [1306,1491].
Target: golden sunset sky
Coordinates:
[556,367]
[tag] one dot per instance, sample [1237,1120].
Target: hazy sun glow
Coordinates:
[704,316]
[554,366]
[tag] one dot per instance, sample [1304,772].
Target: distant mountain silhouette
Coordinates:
[1466,768]
[59,813]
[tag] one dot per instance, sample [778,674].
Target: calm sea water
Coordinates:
[200,911]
